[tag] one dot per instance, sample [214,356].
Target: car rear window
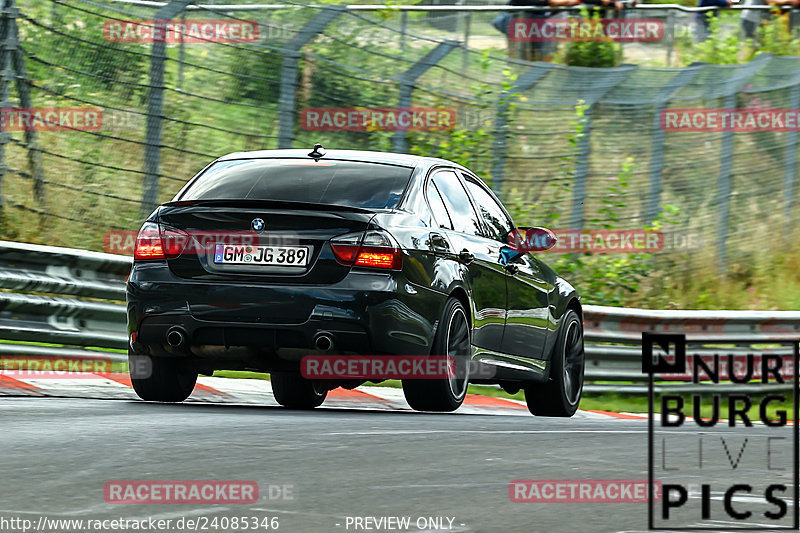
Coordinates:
[346,183]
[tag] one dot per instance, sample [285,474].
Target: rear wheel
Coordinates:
[561,395]
[161,379]
[452,339]
[295,392]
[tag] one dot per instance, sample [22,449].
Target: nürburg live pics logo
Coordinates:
[723,448]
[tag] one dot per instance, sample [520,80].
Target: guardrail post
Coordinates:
[155,106]
[291,56]
[410,76]
[499,145]
[657,146]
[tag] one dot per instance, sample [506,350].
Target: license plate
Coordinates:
[261,255]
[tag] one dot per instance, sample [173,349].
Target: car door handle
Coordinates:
[466,256]
[436,241]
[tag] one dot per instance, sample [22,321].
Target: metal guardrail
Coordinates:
[455,8]
[74,298]
[61,296]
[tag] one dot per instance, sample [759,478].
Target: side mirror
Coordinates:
[531,239]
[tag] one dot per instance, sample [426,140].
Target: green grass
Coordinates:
[240,374]
[33,343]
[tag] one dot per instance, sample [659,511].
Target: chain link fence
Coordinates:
[167,108]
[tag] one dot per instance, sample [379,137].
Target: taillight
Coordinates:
[155,242]
[345,247]
[374,249]
[370,256]
[148,243]
[173,241]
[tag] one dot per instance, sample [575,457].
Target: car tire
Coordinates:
[161,379]
[561,394]
[293,391]
[452,338]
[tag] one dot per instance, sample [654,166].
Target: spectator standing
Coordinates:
[704,17]
[752,18]
[534,51]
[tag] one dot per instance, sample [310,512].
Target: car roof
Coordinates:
[388,158]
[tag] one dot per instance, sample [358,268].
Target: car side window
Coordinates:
[497,222]
[438,208]
[458,204]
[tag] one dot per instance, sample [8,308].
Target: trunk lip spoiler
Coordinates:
[275,204]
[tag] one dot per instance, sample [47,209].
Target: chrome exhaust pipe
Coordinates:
[176,337]
[323,342]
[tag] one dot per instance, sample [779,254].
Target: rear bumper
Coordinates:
[365,313]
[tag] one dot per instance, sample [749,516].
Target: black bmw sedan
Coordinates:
[266,258]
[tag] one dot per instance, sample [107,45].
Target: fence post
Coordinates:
[670,36]
[601,85]
[6,75]
[291,57]
[790,165]
[724,186]
[20,73]
[581,171]
[465,54]
[403,30]
[408,78]
[686,75]
[155,106]
[499,145]
[181,52]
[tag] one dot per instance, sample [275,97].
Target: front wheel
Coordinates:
[161,379]
[561,394]
[452,339]
[293,391]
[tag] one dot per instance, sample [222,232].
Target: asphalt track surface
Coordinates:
[57,454]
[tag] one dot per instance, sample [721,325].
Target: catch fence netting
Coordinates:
[566,147]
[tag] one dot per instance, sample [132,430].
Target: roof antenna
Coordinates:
[318,152]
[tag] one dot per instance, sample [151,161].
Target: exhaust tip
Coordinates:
[176,337]
[323,342]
